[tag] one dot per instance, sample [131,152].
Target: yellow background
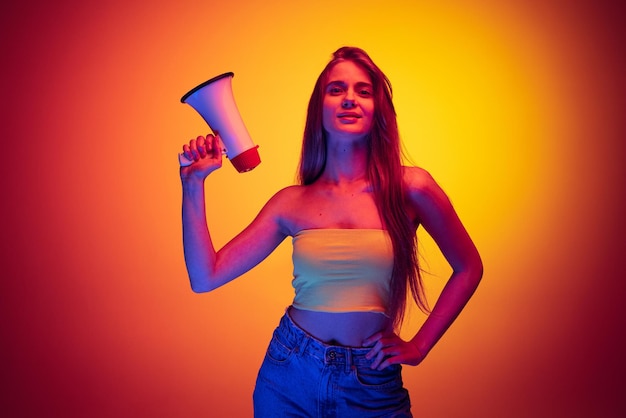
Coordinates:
[514,106]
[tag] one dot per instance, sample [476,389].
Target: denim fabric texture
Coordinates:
[304,377]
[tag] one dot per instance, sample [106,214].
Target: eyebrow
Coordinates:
[343,83]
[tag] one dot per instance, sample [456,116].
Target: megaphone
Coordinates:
[214,101]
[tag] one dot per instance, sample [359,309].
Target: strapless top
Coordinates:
[342,270]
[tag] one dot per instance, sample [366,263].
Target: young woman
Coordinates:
[353,219]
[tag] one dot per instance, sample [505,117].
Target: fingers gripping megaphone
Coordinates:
[214,101]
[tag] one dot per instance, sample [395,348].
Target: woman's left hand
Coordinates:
[390,349]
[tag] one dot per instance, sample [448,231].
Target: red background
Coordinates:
[515,107]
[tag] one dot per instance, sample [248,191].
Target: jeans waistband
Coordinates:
[327,353]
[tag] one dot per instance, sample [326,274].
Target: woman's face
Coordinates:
[348,101]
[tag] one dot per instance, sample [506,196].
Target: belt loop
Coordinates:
[304,341]
[348,360]
[301,339]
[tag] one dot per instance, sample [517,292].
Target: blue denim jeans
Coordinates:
[304,377]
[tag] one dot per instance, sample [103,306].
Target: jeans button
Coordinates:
[332,355]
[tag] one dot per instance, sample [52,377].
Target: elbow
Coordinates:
[478,275]
[476,267]
[200,288]
[200,285]
[476,272]
[471,274]
[201,280]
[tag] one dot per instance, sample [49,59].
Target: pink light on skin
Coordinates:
[349,117]
[349,101]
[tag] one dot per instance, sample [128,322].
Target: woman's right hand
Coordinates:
[206,154]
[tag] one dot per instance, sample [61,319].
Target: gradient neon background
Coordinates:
[514,106]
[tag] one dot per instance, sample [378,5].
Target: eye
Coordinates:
[335,90]
[365,92]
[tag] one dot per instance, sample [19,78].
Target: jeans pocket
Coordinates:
[278,352]
[386,378]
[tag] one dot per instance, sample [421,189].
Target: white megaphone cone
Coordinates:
[214,101]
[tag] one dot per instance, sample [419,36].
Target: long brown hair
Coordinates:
[384,172]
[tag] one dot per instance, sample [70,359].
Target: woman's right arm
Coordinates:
[208,268]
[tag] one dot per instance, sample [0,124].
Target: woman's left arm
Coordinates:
[438,217]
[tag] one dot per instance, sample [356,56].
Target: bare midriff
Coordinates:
[347,329]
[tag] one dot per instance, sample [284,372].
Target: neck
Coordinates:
[346,161]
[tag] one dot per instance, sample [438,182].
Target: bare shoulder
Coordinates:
[433,210]
[419,182]
[283,205]
[423,193]
[287,196]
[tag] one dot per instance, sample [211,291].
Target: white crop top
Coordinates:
[342,270]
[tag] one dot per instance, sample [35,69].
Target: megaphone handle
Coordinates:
[184,161]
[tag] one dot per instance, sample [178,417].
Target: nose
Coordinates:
[348,103]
